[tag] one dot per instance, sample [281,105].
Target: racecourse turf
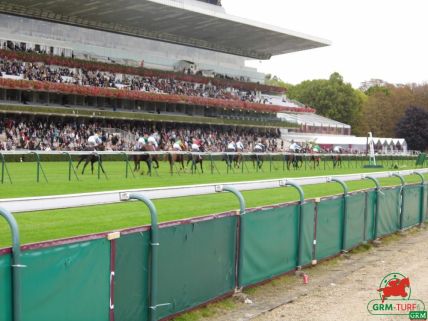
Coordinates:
[24,174]
[47,225]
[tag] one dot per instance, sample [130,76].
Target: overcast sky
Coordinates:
[386,39]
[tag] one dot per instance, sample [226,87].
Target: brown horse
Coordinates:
[315,160]
[147,158]
[196,159]
[175,158]
[337,160]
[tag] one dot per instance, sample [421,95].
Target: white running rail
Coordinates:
[30,204]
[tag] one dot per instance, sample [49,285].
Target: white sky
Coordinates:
[385,39]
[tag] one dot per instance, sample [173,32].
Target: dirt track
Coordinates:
[339,289]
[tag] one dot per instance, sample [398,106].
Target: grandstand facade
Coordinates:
[157,61]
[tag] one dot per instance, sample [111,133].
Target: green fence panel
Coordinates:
[356,208]
[425,203]
[412,205]
[370,215]
[69,282]
[308,231]
[131,294]
[389,216]
[329,228]
[269,243]
[5,288]
[196,263]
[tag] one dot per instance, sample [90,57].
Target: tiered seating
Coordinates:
[66,75]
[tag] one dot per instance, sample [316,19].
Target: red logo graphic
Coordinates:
[395,287]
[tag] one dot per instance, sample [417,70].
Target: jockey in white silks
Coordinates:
[231,147]
[259,148]
[239,146]
[142,141]
[152,141]
[94,141]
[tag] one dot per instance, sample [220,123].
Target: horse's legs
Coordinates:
[84,166]
[149,166]
[202,167]
[80,160]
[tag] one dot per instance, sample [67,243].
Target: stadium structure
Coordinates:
[180,61]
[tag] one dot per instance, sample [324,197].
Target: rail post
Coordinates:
[4,169]
[16,264]
[154,245]
[39,168]
[378,193]
[242,211]
[127,165]
[70,167]
[345,209]
[403,184]
[422,205]
[299,189]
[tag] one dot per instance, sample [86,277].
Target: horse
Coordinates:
[232,160]
[337,160]
[257,159]
[175,158]
[148,158]
[196,159]
[315,159]
[293,160]
[93,158]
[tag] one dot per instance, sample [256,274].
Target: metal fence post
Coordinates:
[16,264]
[39,167]
[127,165]
[299,189]
[378,192]
[403,184]
[70,166]
[4,169]
[345,209]
[154,257]
[422,214]
[242,211]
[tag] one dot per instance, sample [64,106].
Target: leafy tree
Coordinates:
[332,98]
[276,81]
[413,128]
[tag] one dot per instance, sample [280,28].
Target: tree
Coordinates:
[332,98]
[413,128]
[276,81]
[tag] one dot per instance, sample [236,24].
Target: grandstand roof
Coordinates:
[185,22]
[311,120]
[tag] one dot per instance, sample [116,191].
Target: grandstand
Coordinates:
[150,62]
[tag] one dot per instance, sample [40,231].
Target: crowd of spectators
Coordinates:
[79,76]
[47,134]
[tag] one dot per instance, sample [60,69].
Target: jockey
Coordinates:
[231,147]
[195,146]
[94,141]
[141,142]
[152,140]
[259,148]
[178,145]
[239,146]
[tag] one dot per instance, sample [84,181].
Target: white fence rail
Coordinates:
[29,204]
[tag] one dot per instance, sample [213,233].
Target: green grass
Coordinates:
[47,225]
[24,177]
